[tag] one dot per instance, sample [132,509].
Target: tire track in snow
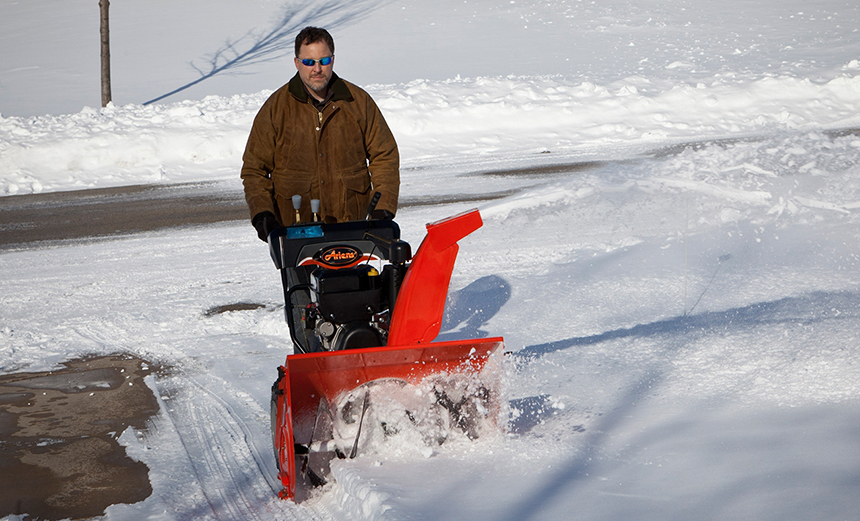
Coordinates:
[233,473]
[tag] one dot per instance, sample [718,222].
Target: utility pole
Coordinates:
[105,39]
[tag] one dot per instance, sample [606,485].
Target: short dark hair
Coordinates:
[310,35]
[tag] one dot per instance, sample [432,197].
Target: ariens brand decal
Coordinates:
[339,255]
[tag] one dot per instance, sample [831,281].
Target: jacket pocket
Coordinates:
[356,186]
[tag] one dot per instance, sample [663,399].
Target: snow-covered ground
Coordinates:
[681,291]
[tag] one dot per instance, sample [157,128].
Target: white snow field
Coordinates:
[671,247]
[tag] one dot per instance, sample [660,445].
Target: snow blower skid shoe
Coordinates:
[363,314]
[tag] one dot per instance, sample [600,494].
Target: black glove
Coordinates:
[381,214]
[265,223]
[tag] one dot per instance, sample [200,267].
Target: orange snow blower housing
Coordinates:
[356,329]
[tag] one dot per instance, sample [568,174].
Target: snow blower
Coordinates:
[363,315]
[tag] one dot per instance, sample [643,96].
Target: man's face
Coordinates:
[315,77]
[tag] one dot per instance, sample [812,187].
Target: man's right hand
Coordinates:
[265,223]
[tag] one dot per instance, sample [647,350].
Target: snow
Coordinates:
[675,272]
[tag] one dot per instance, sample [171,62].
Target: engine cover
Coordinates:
[356,335]
[347,295]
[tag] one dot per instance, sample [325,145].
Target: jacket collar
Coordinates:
[338,87]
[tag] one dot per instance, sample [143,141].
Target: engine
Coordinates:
[349,307]
[340,280]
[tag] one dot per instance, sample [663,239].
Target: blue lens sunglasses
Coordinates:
[323,61]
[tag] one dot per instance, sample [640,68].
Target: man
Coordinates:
[320,137]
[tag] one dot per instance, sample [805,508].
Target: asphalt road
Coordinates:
[33,220]
[42,219]
[107,212]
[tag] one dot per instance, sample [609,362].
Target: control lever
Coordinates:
[372,206]
[297,204]
[315,209]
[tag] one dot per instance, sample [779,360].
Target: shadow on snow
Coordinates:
[808,309]
[278,41]
[813,308]
[467,310]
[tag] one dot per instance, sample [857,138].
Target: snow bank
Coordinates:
[434,122]
[125,145]
[360,498]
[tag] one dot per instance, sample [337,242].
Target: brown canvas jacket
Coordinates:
[339,155]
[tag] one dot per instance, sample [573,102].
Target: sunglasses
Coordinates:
[323,61]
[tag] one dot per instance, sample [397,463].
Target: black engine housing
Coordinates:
[340,281]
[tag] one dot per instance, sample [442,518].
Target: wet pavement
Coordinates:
[59,452]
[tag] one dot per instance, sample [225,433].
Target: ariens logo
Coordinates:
[339,255]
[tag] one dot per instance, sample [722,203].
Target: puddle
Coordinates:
[59,455]
[227,308]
